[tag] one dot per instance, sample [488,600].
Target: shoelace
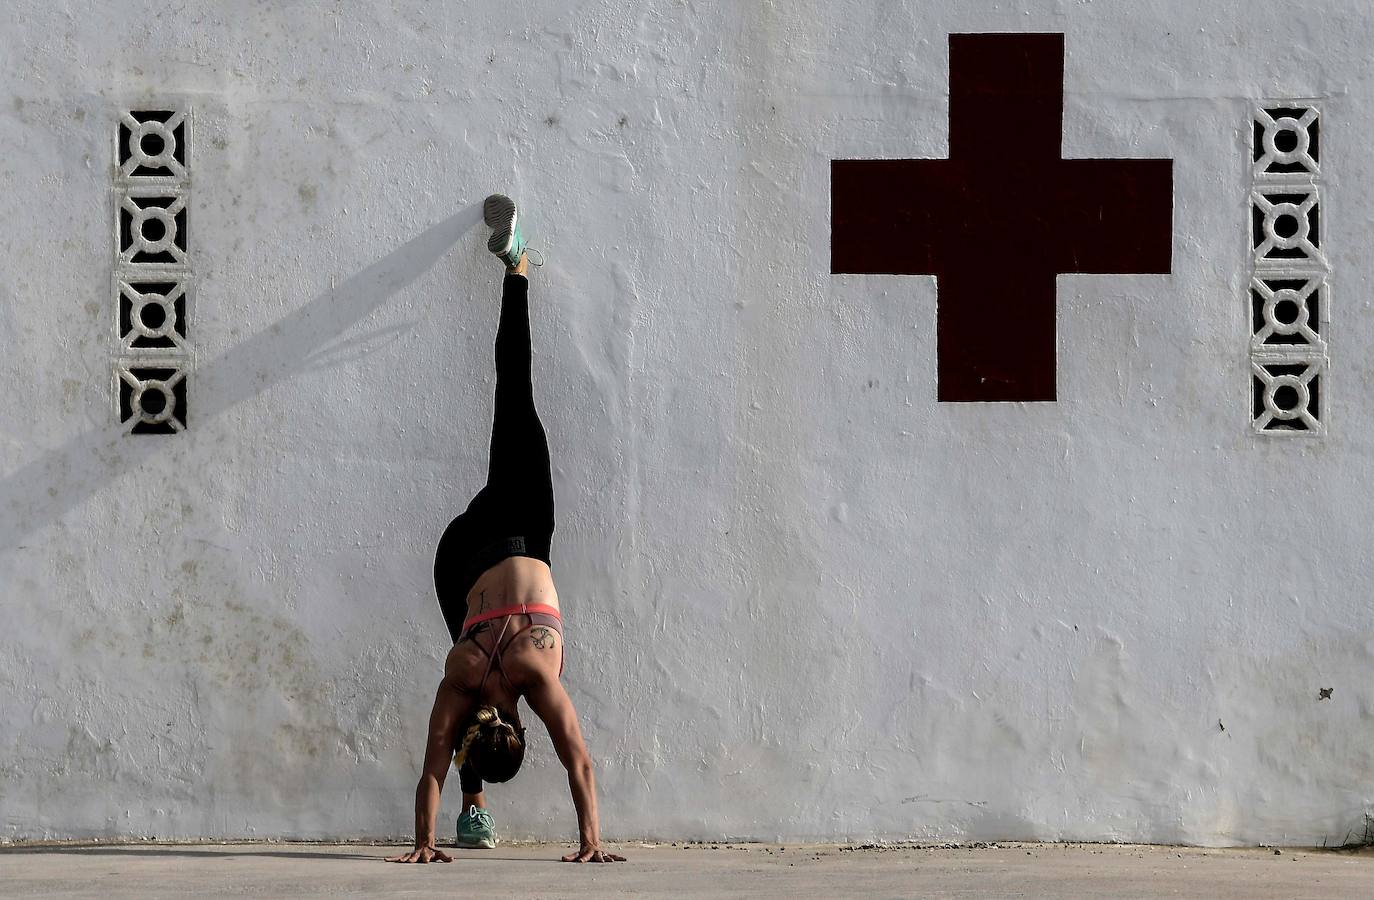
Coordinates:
[480,816]
[529,250]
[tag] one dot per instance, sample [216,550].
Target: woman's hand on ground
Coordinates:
[592,854]
[422,855]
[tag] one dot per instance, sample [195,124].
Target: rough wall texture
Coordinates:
[803,598]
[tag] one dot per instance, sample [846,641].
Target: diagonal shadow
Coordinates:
[43,490]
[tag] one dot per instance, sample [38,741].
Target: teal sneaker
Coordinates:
[499,212]
[476,831]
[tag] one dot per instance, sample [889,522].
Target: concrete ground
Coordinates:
[725,870]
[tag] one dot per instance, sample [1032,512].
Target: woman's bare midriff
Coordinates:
[511,582]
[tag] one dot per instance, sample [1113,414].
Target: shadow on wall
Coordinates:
[42,491]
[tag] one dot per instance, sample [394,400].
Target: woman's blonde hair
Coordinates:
[495,748]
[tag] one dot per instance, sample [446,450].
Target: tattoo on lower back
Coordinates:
[542,637]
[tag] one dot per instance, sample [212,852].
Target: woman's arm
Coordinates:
[450,708]
[551,704]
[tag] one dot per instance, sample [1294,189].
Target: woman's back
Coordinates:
[528,651]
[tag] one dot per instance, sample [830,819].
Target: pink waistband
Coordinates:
[522,609]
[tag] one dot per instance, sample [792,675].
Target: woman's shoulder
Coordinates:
[537,650]
[464,658]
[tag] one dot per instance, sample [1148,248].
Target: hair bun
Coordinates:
[487,715]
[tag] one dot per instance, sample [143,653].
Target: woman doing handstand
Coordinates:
[496,592]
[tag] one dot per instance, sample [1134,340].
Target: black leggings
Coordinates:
[513,514]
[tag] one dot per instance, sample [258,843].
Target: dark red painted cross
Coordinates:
[998,220]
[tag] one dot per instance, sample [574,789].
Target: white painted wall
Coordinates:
[803,599]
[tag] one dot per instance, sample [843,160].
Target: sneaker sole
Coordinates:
[498,211]
[476,845]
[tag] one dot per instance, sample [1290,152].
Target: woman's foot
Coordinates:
[499,212]
[476,830]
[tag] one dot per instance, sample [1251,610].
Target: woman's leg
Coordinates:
[464,536]
[517,501]
[519,476]
[475,829]
[471,784]
[519,491]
